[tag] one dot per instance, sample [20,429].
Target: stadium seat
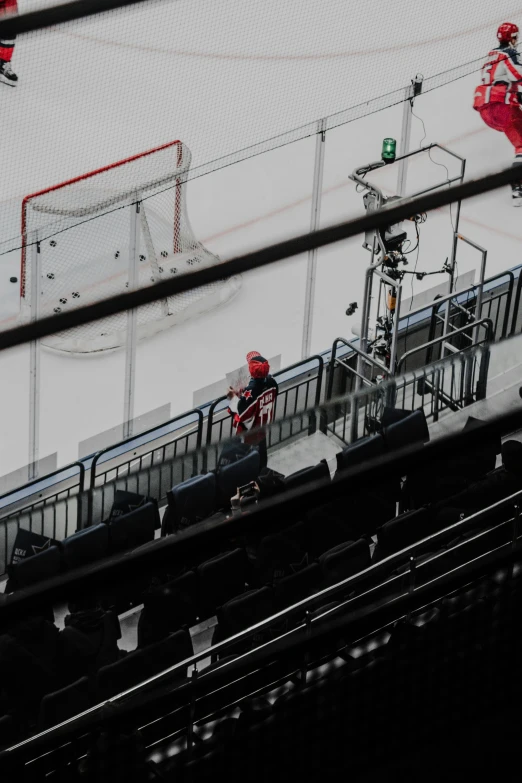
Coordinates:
[220,579]
[235,475]
[393,415]
[447,477]
[185,588]
[41,639]
[118,677]
[407,431]
[63,704]
[402,531]
[482,458]
[133,529]
[170,651]
[30,570]
[232,451]
[361,451]
[86,546]
[512,457]
[326,527]
[277,556]
[190,502]
[485,492]
[345,560]
[24,679]
[244,611]
[302,477]
[426,486]
[298,586]
[125,502]
[167,608]
[9,731]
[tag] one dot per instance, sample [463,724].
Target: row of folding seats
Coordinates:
[194,596]
[449,476]
[255,605]
[225,586]
[120,533]
[130,670]
[419,523]
[202,496]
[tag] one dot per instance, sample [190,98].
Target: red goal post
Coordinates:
[176,146]
[78,247]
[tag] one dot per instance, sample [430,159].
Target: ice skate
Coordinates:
[516,195]
[7,75]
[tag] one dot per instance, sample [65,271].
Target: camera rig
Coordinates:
[388,267]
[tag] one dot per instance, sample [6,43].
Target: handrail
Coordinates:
[436,303]
[333,360]
[199,430]
[327,593]
[516,306]
[34,482]
[483,322]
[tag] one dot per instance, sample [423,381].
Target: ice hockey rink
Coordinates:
[87,98]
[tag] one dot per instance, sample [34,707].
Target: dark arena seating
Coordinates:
[335,626]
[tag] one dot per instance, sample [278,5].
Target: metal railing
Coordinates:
[55,486]
[446,385]
[443,341]
[492,300]
[158,448]
[56,520]
[516,319]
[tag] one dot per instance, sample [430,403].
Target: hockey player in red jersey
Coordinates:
[254,406]
[7,46]
[498,98]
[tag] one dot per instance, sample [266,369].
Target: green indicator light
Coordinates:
[389,147]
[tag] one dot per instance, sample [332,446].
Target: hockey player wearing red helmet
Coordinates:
[7,46]
[253,408]
[498,98]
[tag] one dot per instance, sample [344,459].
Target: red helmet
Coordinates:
[506,32]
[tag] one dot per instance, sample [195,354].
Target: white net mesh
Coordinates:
[83,231]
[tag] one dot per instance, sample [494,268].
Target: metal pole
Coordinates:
[365,315]
[395,333]
[514,539]
[132,320]
[315,217]
[34,371]
[404,146]
[306,656]
[412,580]
[192,709]
[453,260]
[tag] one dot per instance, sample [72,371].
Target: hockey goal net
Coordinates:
[77,239]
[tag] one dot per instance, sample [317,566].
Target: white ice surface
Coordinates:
[244,206]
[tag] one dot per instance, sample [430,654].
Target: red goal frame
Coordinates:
[177,203]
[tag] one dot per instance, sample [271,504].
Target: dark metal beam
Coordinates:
[12,25]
